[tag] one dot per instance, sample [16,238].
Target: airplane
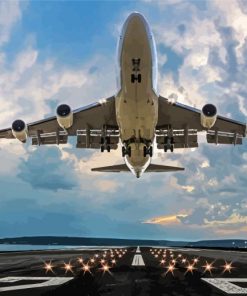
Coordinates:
[136,116]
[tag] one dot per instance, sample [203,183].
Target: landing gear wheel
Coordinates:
[165,148]
[108,148]
[172,148]
[139,78]
[102,148]
[133,78]
[145,151]
[151,151]
[123,151]
[129,151]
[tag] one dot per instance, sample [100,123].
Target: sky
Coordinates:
[54,52]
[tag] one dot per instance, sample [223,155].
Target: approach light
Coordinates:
[86,268]
[48,267]
[170,269]
[68,267]
[195,260]
[190,268]
[80,260]
[227,267]
[208,267]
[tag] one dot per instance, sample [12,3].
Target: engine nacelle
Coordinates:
[19,130]
[64,116]
[208,116]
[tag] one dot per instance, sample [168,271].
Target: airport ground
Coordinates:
[124,271]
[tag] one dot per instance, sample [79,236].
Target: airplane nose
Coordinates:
[135,24]
[135,20]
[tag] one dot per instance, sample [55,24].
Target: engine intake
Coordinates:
[19,130]
[64,116]
[208,116]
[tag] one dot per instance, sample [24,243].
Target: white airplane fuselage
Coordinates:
[137,99]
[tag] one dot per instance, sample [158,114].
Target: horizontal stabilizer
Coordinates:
[156,168]
[152,168]
[112,168]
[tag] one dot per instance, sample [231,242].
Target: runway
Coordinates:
[124,272]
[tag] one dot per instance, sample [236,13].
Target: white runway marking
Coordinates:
[138,261]
[226,285]
[48,281]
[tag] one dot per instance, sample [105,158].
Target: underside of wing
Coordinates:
[90,124]
[184,122]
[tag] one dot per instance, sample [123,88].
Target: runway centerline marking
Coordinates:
[48,281]
[138,260]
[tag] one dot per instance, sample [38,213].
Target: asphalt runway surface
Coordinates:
[123,272]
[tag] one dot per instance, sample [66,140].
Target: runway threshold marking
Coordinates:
[227,285]
[48,281]
[138,260]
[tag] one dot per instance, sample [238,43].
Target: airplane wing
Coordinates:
[186,122]
[87,125]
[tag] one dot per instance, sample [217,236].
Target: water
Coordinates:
[7,247]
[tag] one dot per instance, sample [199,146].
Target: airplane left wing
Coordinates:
[185,121]
[88,125]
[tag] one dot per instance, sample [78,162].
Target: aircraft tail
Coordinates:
[152,168]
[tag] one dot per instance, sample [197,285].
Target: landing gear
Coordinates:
[169,144]
[105,144]
[147,151]
[126,151]
[136,77]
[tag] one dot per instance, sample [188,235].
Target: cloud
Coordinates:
[233,219]
[166,220]
[107,185]
[50,173]
[10,14]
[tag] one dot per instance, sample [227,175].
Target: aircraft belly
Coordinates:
[137,117]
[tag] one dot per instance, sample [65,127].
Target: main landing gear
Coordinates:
[136,77]
[147,151]
[105,144]
[169,144]
[126,151]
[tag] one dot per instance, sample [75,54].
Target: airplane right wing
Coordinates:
[185,121]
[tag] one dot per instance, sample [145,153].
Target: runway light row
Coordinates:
[169,257]
[107,261]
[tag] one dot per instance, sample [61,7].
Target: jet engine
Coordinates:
[64,116]
[208,116]
[19,130]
